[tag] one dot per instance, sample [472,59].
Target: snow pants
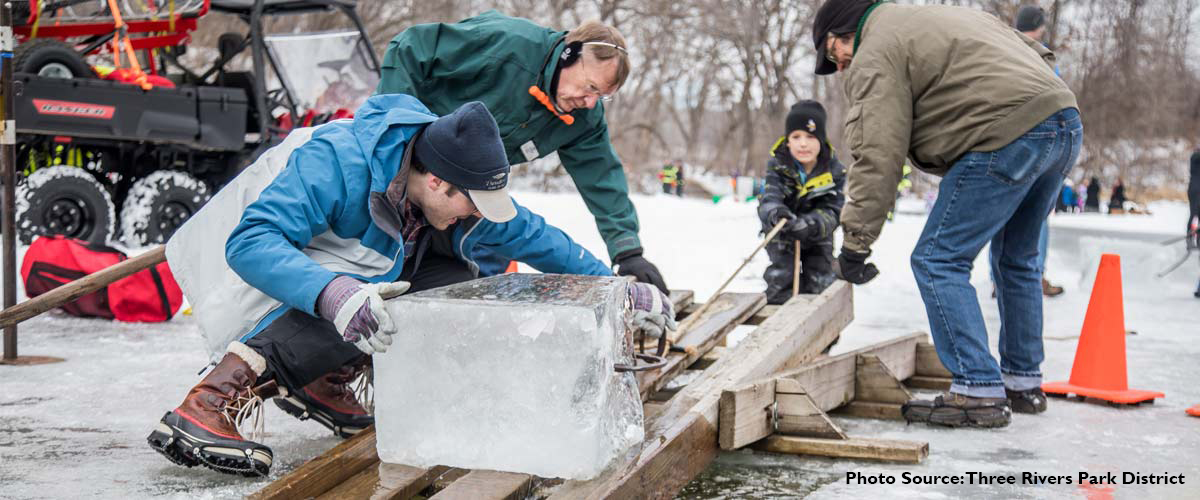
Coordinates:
[816,268]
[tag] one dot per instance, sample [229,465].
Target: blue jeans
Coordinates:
[1001,196]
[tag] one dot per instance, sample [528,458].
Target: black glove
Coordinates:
[631,263]
[777,215]
[852,266]
[803,229]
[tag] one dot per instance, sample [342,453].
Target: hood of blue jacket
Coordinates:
[383,126]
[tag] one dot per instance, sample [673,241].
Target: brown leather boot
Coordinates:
[331,401]
[203,430]
[1050,290]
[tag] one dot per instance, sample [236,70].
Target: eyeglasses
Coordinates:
[592,88]
[829,55]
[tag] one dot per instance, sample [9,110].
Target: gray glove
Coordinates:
[649,310]
[356,310]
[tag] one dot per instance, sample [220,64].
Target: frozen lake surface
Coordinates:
[77,429]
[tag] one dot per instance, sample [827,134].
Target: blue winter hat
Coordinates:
[464,149]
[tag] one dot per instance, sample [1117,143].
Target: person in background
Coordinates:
[1193,192]
[679,178]
[669,176]
[1066,202]
[805,187]
[1116,202]
[1031,22]
[1092,202]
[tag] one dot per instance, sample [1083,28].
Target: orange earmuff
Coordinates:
[545,100]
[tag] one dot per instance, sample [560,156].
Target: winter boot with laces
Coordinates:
[1027,401]
[332,402]
[203,430]
[956,410]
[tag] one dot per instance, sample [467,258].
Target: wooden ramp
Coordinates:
[682,431]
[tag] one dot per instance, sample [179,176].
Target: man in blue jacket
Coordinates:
[331,223]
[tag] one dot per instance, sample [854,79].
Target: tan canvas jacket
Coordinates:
[933,83]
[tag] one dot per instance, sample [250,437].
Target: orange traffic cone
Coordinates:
[1194,411]
[512,267]
[1099,370]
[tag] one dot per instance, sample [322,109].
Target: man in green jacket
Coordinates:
[544,87]
[968,98]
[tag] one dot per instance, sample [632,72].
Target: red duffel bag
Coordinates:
[149,295]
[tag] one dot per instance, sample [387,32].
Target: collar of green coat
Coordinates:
[551,63]
[858,33]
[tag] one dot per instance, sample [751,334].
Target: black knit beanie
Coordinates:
[808,116]
[1029,18]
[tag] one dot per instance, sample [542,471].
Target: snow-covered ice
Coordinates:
[78,429]
[512,373]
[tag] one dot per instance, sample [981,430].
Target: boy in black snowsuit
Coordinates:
[805,184]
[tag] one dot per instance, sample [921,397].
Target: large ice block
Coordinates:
[511,373]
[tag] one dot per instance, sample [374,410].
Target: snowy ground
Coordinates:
[77,429]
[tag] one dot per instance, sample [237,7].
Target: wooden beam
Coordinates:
[80,287]
[326,470]
[831,382]
[798,415]
[762,315]
[931,383]
[928,363]
[866,409]
[746,415]
[874,382]
[487,484]
[886,450]
[709,358]
[681,299]
[385,481]
[682,440]
[703,333]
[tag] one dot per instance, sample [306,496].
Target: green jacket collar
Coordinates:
[551,63]
[858,34]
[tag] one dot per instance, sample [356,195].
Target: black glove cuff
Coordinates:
[632,252]
[853,256]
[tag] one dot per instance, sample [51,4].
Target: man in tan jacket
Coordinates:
[966,97]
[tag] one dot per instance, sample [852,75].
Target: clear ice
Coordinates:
[511,373]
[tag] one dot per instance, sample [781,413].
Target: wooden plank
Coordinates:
[385,481]
[681,299]
[745,415]
[899,356]
[80,287]
[874,382]
[709,358]
[323,472]
[444,480]
[798,415]
[867,409]
[832,380]
[887,450]
[932,383]
[762,315]
[682,440]
[727,311]
[928,363]
[487,485]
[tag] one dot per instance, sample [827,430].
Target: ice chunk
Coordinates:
[512,373]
